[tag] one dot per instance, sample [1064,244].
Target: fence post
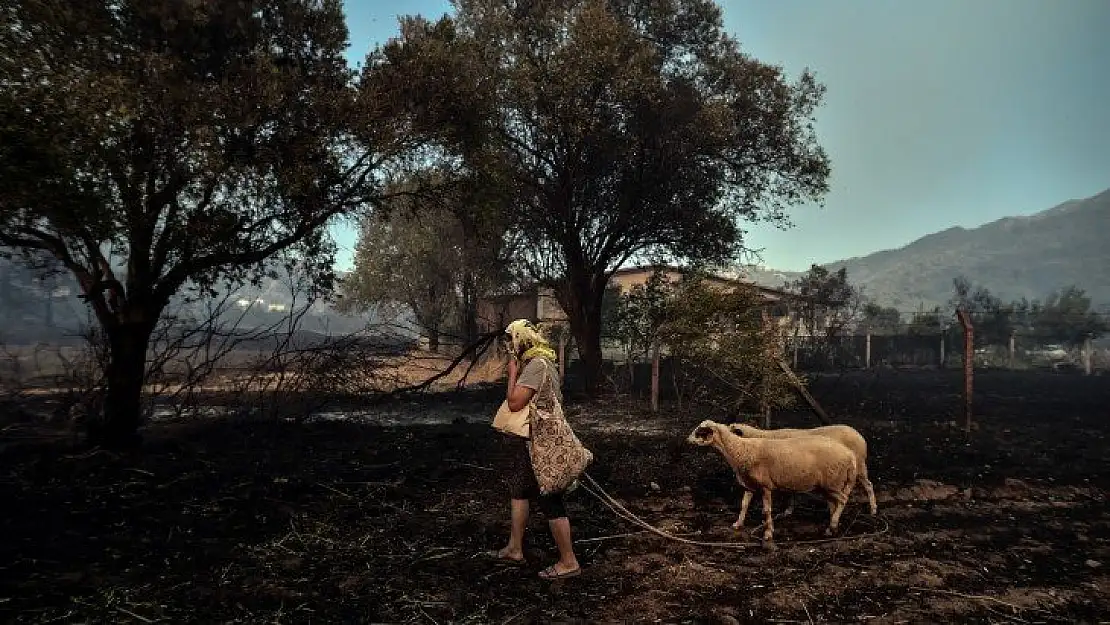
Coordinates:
[1012,333]
[942,333]
[773,352]
[562,353]
[631,364]
[969,365]
[1088,349]
[867,352]
[655,376]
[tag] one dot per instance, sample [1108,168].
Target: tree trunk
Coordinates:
[48,288]
[433,339]
[470,309]
[631,370]
[5,289]
[118,427]
[582,300]
[588,338]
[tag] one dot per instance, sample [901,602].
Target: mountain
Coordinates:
[1014,257]
[42,308]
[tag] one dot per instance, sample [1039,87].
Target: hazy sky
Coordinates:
[938,113]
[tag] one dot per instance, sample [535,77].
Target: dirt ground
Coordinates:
[336,522]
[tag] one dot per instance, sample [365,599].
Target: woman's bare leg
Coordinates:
[560,531]
[519,520]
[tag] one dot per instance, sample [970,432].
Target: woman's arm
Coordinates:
[517,396]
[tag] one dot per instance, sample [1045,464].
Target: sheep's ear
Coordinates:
[704,432]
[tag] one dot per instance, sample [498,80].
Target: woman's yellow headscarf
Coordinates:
[524,336]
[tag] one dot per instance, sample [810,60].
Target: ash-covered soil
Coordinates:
[221,521]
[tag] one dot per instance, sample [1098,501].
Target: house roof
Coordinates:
[533,290]
[766,290]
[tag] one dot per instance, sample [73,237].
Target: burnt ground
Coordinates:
[330,522]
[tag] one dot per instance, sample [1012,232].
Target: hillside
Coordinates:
[1014,257]
[37,310]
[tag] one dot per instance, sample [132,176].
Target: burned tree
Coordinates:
[155,148]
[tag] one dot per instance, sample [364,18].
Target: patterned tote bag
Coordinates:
[558,457]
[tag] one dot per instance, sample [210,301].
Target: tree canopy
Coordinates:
[825,302]
[154,146]
[723,349]
[881,320]
[1064,316]
[620,130]
[432,253]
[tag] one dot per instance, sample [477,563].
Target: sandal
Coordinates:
[552,574]
[496,555]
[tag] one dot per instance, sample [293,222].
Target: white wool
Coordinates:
[843,434]
[798,464]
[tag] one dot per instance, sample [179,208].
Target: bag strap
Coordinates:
[546,381]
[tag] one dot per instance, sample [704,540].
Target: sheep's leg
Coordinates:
[866,483]
[747,499]
[768,519]
[837,502]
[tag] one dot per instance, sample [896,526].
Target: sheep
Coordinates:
[844,434]
[800,464]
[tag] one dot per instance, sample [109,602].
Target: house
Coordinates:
[630,277]
[539,304]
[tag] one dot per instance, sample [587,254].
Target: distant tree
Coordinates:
[487,268]
[826,303]
[926,322]
[408,260]
[188,143]
[638,314]
[993,320]
[1066,317]
[433,253]
[881,321]
[624,130]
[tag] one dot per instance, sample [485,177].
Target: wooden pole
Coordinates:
[1012,346]
[563,353]
[655,376]
[867,352]
[773,351]
[969,366]
[801,388]
[631,364]
[942,347]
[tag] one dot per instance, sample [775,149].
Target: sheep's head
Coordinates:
[705,434]
[740,429]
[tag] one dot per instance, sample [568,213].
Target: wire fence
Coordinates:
[403,349]
[807,353]
[1051,341]
[939,351]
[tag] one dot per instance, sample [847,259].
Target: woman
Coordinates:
[536,376]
